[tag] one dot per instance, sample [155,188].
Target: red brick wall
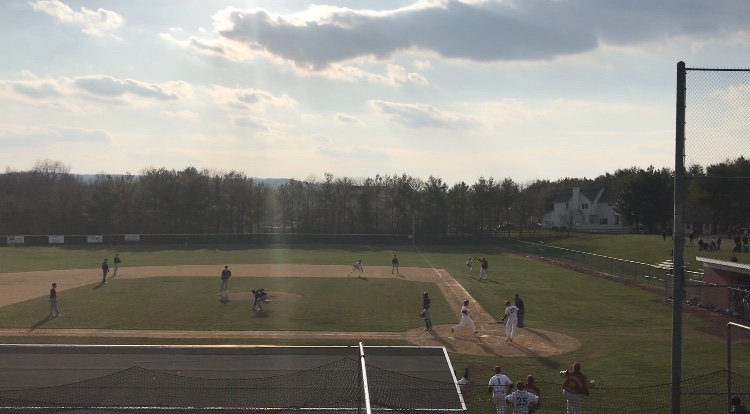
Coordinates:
[719,297]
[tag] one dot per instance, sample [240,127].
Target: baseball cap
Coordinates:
[736,400]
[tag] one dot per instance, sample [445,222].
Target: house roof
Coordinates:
[588,192]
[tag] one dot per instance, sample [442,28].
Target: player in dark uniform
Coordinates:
[260,297]
[225,275]
[117,263]
[105,270]
[394,265]
[53,311]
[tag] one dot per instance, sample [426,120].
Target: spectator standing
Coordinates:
[521,400]
[519,305]
[225,275]
[426,302]
[117,262]
[53,311]
[105,270]
[718,243]
[574,386]
[500,385]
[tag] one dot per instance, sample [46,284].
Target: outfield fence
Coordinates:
[655,275]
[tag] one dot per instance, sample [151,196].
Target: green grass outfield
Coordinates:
[625,332]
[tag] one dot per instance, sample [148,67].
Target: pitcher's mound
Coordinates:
[272,296]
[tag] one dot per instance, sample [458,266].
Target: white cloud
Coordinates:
[97,23]
[180,115]
[346,119]
[88,93]
[25,135]
[421,115]
[249,98]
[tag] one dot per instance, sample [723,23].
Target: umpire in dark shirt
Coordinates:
[519,305]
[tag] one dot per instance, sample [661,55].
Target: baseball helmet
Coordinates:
[466,302]
[507,302]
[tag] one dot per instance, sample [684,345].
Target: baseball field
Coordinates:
[168,295]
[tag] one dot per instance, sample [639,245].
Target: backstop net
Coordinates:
[176,379]
[712,226]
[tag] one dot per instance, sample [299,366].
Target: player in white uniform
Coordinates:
[521,399]
[511,312]
[499,386]
[465,319]
[469,264]
[357,266]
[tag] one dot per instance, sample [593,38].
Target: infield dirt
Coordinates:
[17,287]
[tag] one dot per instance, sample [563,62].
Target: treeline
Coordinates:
[49,200]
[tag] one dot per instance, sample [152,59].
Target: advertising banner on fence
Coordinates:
[15,239]
[94,239]
[132,237]
[56,239]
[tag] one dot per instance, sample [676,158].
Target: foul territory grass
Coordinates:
[625,332]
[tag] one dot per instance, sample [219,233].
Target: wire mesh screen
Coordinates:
[335,387]
[704,394]
[716,220]
[717,127]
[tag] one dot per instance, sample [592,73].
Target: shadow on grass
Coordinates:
[99,286]
[541,359]
[41,322]
[449,346]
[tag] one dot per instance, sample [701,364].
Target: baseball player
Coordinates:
[483,268]
[225,275]
[105,270]
[117,263]
[574,385]
[426,303]
[531,387]
[462,382]
[260,297]
[499,386]
[53,301]
[357,266]
[465,319]
[521,399]
[511,312]
[394,265]
[469,264]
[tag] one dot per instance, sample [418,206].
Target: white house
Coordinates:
[586,209]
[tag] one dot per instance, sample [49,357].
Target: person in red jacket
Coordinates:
[574,386]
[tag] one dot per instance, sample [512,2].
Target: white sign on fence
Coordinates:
[132,237]
[56,239]
[94,239]
[15,239]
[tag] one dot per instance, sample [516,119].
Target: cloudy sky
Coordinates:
[526,89]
